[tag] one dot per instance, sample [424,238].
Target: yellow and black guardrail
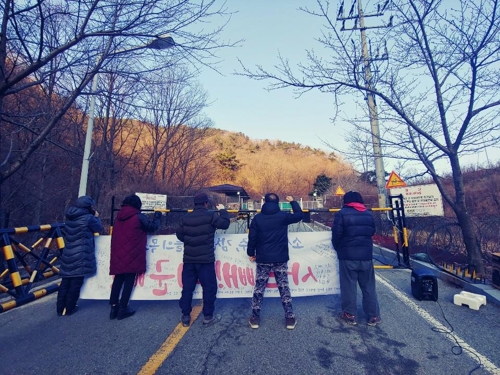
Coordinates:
[20,280]
[395,211]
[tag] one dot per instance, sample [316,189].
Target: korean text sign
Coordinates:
[312,268]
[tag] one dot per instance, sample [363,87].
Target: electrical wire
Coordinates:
[456,349]
[385,262]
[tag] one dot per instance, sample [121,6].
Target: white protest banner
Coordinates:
[312,268]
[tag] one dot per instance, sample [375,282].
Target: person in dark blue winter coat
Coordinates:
[268,246]
[197,232]
[78,256]
[352,232]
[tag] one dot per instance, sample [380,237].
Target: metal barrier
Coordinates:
[21,279]
[396,216]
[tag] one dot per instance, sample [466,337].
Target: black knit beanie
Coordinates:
[133,201]
[353,197]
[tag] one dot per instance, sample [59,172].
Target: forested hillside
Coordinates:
[177,160]
[262,166]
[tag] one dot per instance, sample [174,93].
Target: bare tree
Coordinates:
[437,95]
[359,152]
[172,105]
[189,165]
[72,40]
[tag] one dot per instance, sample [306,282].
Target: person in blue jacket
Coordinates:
[352,231]
[197,232]
[268,246]
[78,256]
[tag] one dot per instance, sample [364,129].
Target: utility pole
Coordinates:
[372,104]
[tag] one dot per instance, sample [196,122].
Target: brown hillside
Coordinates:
[262,166]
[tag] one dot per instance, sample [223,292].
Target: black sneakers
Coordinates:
[291,323]
[208,320]
[125,313]
[186,320]
[254,322]
[373,321]
[114,312]
[348,318]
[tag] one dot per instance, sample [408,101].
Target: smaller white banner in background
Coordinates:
[152,201]
[312,268]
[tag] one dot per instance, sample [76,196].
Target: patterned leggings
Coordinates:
[261,278]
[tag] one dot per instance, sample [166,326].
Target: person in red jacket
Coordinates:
[128,253]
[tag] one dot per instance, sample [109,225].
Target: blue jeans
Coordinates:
[191,273]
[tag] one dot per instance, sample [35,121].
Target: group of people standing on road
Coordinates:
[352,231]
[128,253]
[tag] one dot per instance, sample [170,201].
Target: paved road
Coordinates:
[414,338]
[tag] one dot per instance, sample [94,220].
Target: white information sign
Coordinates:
[312,268]
[420,200]
[152,201]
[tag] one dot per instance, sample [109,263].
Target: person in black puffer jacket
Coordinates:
[197,231]
[268,246]
[352,231]
[78,256]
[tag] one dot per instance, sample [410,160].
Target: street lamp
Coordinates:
[164,41]
[239,204]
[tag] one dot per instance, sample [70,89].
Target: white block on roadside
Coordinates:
[472,300]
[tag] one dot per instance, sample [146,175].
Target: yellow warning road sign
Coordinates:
[394,181]
[339,191]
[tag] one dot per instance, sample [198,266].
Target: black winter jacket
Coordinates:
[78,256]
[352,233]
[268,235]
[197,231]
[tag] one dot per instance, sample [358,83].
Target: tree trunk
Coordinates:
[471,243]
[470,238]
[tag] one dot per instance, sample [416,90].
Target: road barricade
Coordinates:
[22,266]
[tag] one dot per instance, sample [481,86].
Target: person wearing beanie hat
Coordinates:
[133,201]
[353,197]
[268,246]
[200,198]
[128,253]
[78,256]
[352,231]
[197,232]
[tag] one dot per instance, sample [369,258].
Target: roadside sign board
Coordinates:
[339,191]
[152,201]
[394,181]
[420,200]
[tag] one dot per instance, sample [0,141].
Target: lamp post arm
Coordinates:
[163,41]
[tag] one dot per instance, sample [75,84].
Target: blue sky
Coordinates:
[240,104]
[243,105]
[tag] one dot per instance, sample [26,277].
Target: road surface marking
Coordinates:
[485,362]
[169,345]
